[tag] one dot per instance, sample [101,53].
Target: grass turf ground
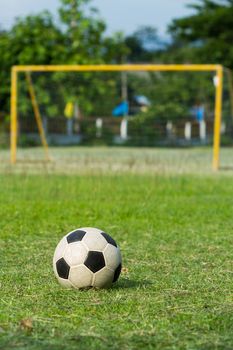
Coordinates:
[175,232]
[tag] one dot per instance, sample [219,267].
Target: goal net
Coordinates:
[59,107]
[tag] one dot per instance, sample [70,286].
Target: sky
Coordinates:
[120,15]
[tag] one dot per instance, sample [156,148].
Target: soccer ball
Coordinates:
[87,257]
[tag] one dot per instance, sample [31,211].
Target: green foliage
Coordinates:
[172,96]
[142,44]
[32,40]
[80,38]
[77,39]
[169,111]
[84,35]
[90,138]
[147,128]
[208,32]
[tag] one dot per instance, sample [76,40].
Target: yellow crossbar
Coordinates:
[118,68]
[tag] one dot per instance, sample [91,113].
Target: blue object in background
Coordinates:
[198,113]
[121,110]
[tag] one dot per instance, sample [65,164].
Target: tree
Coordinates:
[83,33]
[142,44]
[79,38]
[31,40]
[207,33]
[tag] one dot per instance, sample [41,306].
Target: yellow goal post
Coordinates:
[218,69]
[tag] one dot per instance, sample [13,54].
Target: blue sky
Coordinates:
[125,15]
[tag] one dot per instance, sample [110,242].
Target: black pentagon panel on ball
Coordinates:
[117,273]
[75,236]
[95,261]
[109,239]
[63,268]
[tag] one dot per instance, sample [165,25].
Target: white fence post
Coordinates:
[169,128]
[124,129]
[202,130]
[188,131]
[99,127]
[223,128]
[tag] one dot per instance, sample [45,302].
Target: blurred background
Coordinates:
[142,109]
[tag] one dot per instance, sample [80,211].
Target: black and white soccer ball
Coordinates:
[87,257]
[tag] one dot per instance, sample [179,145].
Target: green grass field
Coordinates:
[175,229]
